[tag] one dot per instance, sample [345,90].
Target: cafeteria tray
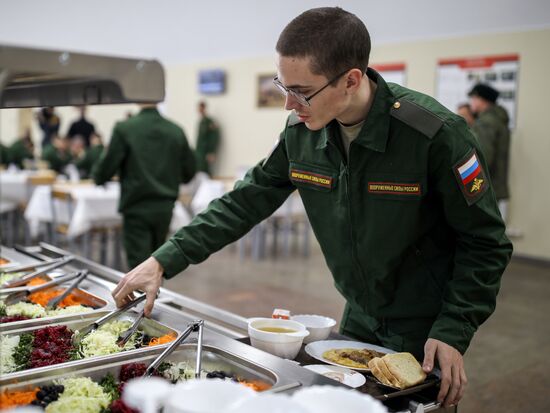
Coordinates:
[213,359]
[148,326]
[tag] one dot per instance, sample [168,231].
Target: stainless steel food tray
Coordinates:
[213,358]
[74,322]
[86,297]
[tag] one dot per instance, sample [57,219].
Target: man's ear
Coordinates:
[353,80]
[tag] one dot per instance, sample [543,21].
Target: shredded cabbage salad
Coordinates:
[71,309]
[6,277]
[26,309]
[36,310]
[102,341]
[82,395]
[7,347]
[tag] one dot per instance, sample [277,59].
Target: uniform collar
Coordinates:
[150,110]
[375,131]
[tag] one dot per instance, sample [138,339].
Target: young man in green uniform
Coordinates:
[21,149]
[394,186]
[208,140]
[152,157]
[491,129]
[57,153]
[85,158]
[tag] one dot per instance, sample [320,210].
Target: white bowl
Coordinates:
[285,345]
[206,396]
[328,399]
[268,403]
[319,327]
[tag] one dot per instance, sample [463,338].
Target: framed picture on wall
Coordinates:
[268,94]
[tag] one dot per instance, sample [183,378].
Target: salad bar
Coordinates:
[62,360]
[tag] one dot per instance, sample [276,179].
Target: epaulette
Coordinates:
[293,119]
[417,117]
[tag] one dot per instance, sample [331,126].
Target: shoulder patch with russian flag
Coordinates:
[471,177]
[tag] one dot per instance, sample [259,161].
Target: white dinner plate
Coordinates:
[341,374]
[317,348]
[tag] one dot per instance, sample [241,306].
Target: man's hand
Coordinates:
[453,377]
[146,277]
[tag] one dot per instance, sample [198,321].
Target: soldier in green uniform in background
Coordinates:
[152,157]
[57,153]
[395,188]
[208,140]
[85,158]
[491,129]
[3,155]
[21,149]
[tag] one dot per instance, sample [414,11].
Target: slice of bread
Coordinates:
[380,371]
[405,369]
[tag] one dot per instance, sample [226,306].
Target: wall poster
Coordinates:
[455,78]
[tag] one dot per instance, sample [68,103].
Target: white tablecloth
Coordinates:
[92,205]
[13,185]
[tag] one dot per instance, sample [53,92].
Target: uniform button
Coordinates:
[397,105]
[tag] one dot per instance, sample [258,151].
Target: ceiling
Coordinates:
[179,31]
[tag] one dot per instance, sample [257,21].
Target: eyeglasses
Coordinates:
[300,97]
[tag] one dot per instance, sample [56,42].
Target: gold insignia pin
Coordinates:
[477,185]
[397,105]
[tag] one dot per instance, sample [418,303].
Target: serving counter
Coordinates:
[225,341]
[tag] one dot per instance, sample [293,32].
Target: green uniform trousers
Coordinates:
[397,334]
[143,233]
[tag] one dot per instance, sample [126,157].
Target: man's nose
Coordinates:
[291,102]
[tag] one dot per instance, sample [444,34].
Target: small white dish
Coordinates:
[319,326]
[343,375]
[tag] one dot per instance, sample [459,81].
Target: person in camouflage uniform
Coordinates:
[491,129]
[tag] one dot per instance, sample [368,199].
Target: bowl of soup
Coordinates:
[282,338]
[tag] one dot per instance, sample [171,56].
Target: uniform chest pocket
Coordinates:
[311,176]
[397,187]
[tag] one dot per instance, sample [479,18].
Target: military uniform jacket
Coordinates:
[491,129]
[152,157]
[57,160]
[208,140]
[409,225]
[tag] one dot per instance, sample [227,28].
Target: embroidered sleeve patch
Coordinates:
[323,181]
[394,188]
[471,177]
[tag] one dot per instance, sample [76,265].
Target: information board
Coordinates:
[456,77]
[392,72]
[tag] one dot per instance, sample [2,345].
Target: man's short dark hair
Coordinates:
[333,38]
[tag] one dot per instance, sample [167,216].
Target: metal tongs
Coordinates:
[196,325]
[80,333]
[19,294]
[54,302]
[125,335]
[46,266]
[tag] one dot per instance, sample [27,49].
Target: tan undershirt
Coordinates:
[349,133]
